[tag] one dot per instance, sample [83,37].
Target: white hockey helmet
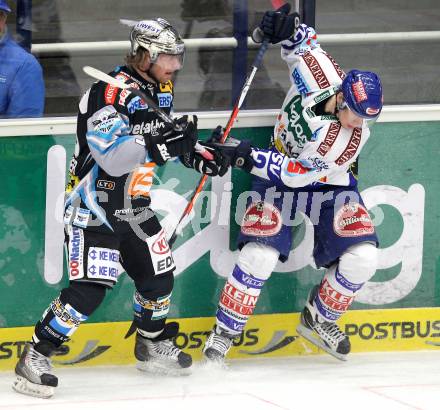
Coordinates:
[157,36]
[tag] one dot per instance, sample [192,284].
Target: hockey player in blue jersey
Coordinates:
[320,130]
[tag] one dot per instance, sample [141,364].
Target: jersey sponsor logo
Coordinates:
[76,248]
[318,164]
[111,91]
[316,70]
[238,301]
[160,246]
[137,103]
[246,279]
[68,214]
[132,214]
[344,282]
[338,69]
[141,180]
[352,220]
[270,162]
[102,183]
[329,139]
[125,93]
[110,94]
[82,217]
[161,256]
[322,97]
[105,120]
[351,148]
[166,87]
[103,263]
[359,91]
[300,82]
[229,322]
[297,167]
[143,128]
[66,320]
[332,299]
[159,307]
[261,219]
[297,125]
[165,99]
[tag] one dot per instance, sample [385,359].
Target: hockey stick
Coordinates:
[101,76]
[255,66]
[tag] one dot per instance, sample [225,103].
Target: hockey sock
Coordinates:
[238,300]
[150,314]
[58,323]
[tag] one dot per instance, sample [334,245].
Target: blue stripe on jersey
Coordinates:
[88,195]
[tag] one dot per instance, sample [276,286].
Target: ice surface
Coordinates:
[391,381]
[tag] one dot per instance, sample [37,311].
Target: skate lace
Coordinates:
[38,363]
[219,343]
[165,348]
[332,331]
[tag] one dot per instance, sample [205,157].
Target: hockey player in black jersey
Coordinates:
[108,219]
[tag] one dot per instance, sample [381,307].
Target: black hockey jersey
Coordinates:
[111,172]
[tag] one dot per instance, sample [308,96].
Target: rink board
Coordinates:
[265,335]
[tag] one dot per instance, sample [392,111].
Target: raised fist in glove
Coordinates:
[219,165]
[238,152]
[277,25]
[171,143]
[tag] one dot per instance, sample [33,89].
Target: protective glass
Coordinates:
[170,62]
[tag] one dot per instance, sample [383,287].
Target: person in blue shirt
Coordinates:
[21,76]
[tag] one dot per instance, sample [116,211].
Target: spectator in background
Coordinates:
[21,76]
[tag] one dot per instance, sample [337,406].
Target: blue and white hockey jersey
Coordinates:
[308,147]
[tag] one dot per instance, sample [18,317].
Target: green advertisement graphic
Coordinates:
[399,180]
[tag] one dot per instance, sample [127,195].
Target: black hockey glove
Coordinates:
[218,166]
[238,152]
[170,143]
[277,25]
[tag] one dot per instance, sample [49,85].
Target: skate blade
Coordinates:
[159,368]
[24,386]
[312,338]
[214,363]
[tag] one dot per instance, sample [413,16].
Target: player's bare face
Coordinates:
[165,67]
[349,119]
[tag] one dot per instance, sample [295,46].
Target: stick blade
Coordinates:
[101,76]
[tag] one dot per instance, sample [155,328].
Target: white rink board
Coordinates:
[391,381]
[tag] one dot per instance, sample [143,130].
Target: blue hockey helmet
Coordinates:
[362,92]
[4,6]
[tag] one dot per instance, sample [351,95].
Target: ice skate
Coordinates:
[33,371]
[323,334]
[159,355]
[217,345]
